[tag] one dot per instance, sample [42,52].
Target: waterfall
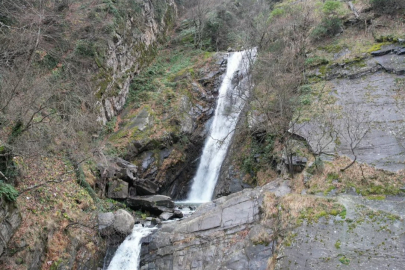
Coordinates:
[229,105]
[127,255]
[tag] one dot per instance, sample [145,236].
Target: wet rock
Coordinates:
[155,204]
[177,214]
[223,234]
[117,189]
[166,215]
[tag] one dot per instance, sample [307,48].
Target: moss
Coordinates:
[344,260]
[376,197]
[322,213]
[329,189]
[316,61]
[334,212]
[343,214]
[332,48]
[377,46]
[338,244]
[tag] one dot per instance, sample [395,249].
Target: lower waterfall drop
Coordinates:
[230,104]
[127,255]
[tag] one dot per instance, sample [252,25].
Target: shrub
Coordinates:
[328,28]
[8,191]
[331,7]
[278,12]
[84,48]
[387,6]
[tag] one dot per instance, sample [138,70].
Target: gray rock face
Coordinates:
[117,189]
[371,99]
[371,237]
[145,187]
[124,62]
[223,234]
[10,219]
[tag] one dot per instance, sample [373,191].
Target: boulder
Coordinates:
[115,225]
[156,204]
[117,189]
[105,220]
[123,222]
[145,187]
[177,214]
[166,215]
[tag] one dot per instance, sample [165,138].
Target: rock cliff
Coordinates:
[132,47]
[229,233]
[10,219]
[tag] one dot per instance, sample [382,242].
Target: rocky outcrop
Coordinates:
[130,50]
[10,219]
[120,179]
[370,237]
[117,189]
[227,233]
[170,161]
[156,204]
[368,93]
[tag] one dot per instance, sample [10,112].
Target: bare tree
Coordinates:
[353,127]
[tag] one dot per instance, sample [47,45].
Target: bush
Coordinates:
[8,191]
[331,7]
[387,6]
[328,28]
[277,12]
[85,48]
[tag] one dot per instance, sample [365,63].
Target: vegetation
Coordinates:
[387,6]
[8,191]
[54,76]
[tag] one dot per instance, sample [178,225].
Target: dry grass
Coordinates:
[365,179]
[265,176]
[297,208]
[48,210]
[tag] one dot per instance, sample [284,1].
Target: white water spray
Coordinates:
[230,104]
[127,255]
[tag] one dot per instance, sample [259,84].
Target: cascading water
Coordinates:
[127,255]
[230,103]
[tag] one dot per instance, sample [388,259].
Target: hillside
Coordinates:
[105,101]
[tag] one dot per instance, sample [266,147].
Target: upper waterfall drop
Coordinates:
[232,94]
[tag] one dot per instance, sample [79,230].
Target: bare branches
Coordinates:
[354,126]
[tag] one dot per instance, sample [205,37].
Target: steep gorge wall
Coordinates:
[132,47]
